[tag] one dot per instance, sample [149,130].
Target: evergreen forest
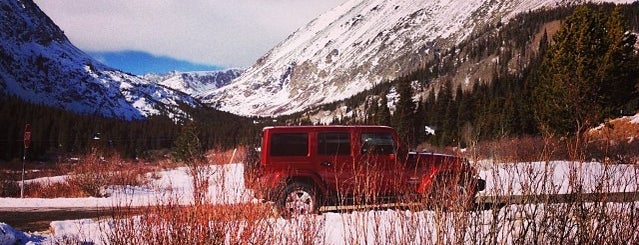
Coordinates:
[57,134]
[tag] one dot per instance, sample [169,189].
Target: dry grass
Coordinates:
[94,173]
[540,219]
[531,219]
[617,141]
[53,190]
[617,130]
[88,177]
[171,223]
[216,156]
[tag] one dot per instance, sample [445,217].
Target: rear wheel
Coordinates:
[298,199]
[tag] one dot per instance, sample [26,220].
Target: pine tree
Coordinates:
[404,117]
[444,121]
[619,69]
[580,75]
[371,111]
[383,116]
[187,146]
[420,122]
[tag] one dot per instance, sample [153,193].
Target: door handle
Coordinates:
[326,163]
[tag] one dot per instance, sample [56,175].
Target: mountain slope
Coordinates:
[197,83]
[357,45]
[40,65]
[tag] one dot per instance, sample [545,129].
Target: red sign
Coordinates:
[27,136]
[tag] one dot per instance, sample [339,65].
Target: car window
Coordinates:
[378,143]
[289,144]
[332,144]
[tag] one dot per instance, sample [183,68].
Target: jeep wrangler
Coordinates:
[305,167]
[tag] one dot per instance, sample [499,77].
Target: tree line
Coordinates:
[57,133]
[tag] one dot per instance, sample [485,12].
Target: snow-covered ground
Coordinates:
[171,185]
[372,226]
[558,177]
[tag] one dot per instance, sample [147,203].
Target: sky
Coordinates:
[203,34]
[139,62]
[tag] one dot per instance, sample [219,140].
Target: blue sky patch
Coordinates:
[140,63]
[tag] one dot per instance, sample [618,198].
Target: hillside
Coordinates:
[481,89]
[358,45]
[40,65]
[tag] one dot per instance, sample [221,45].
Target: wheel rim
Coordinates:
[299,202]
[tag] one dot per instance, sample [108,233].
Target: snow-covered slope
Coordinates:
[357,45]
[40,65]
[197,83]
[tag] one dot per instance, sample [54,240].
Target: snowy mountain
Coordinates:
[40,65]
[357,45]
[197,83]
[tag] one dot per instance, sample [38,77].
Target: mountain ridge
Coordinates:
[195,83]
[40,65]
[357,45]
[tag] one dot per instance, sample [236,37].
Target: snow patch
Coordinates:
[635,119]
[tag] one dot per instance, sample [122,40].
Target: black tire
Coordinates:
[298,199]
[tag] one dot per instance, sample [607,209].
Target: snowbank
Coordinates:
[10,236]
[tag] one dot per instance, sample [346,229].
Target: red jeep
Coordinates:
[305,167]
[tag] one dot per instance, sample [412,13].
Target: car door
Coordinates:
[334,160]
[378,159]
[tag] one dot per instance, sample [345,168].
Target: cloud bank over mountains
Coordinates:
[219,32]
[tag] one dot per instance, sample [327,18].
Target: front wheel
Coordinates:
[298,199]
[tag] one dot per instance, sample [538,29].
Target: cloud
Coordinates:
[219,32]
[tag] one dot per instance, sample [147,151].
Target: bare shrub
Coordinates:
[217,156]
[94,173]
[251,167]
[90,177]
[53,190]
[530,200]
[560,202]
[204,174]
[615,152]
[205,223]
[522,149]
[9,188]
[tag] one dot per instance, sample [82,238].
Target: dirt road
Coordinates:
[38,219]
